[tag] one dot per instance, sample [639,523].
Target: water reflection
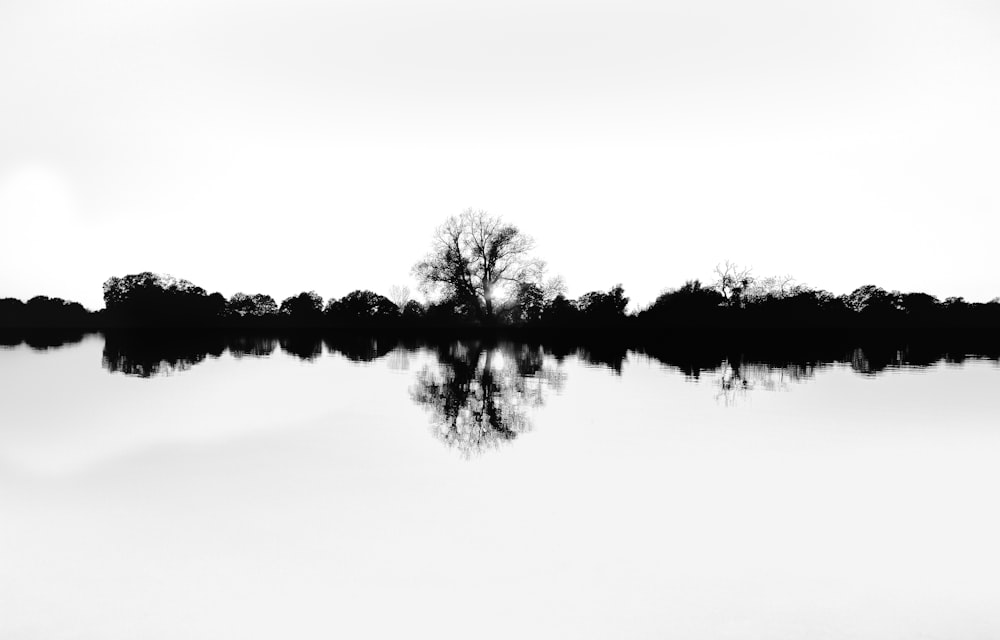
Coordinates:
[164,480]
[479,395]
[746,366]
[360,348]
[40,340]
[798,361]
[305,347]
[479,392]
[251,346]
[736,379]
[147,356]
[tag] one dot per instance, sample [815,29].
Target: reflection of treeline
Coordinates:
[802,354]
[147,354]
[153,301]
[40,340]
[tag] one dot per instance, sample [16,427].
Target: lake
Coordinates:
[254,487]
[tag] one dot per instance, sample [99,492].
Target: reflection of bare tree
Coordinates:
[480,395]
[399,359]
[737,378]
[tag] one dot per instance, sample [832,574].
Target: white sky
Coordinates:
[283,146]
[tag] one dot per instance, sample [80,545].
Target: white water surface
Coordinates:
[259,498]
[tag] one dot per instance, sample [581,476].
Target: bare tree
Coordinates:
[732,280]
[554,287]
[478,259]
[771,287]
[399,294]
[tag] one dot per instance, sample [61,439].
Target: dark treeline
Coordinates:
[42,312]
[480,274]
[148,300]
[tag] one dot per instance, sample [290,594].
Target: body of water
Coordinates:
[301,488]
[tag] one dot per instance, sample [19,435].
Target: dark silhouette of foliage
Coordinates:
[561,312]
[152,300]
[692,305]
[412,312]
[42,312]
[528,305]
[737,302]
[598,307]
[302,310]
[361,309]
[258,305]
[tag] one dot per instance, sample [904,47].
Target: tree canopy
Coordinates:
[478,260]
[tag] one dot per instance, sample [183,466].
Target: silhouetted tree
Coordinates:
[256,306]
[399,294]
[528,305]
[362,308]
[731,281]
[770,288]
[561,312]
[692,295]
[478,260]
[304,309]
[601,307]
[149,299]
[869,297]
[412,311]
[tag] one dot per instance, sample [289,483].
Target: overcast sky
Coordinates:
[282,146]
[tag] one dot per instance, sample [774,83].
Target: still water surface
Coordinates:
[305,490]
